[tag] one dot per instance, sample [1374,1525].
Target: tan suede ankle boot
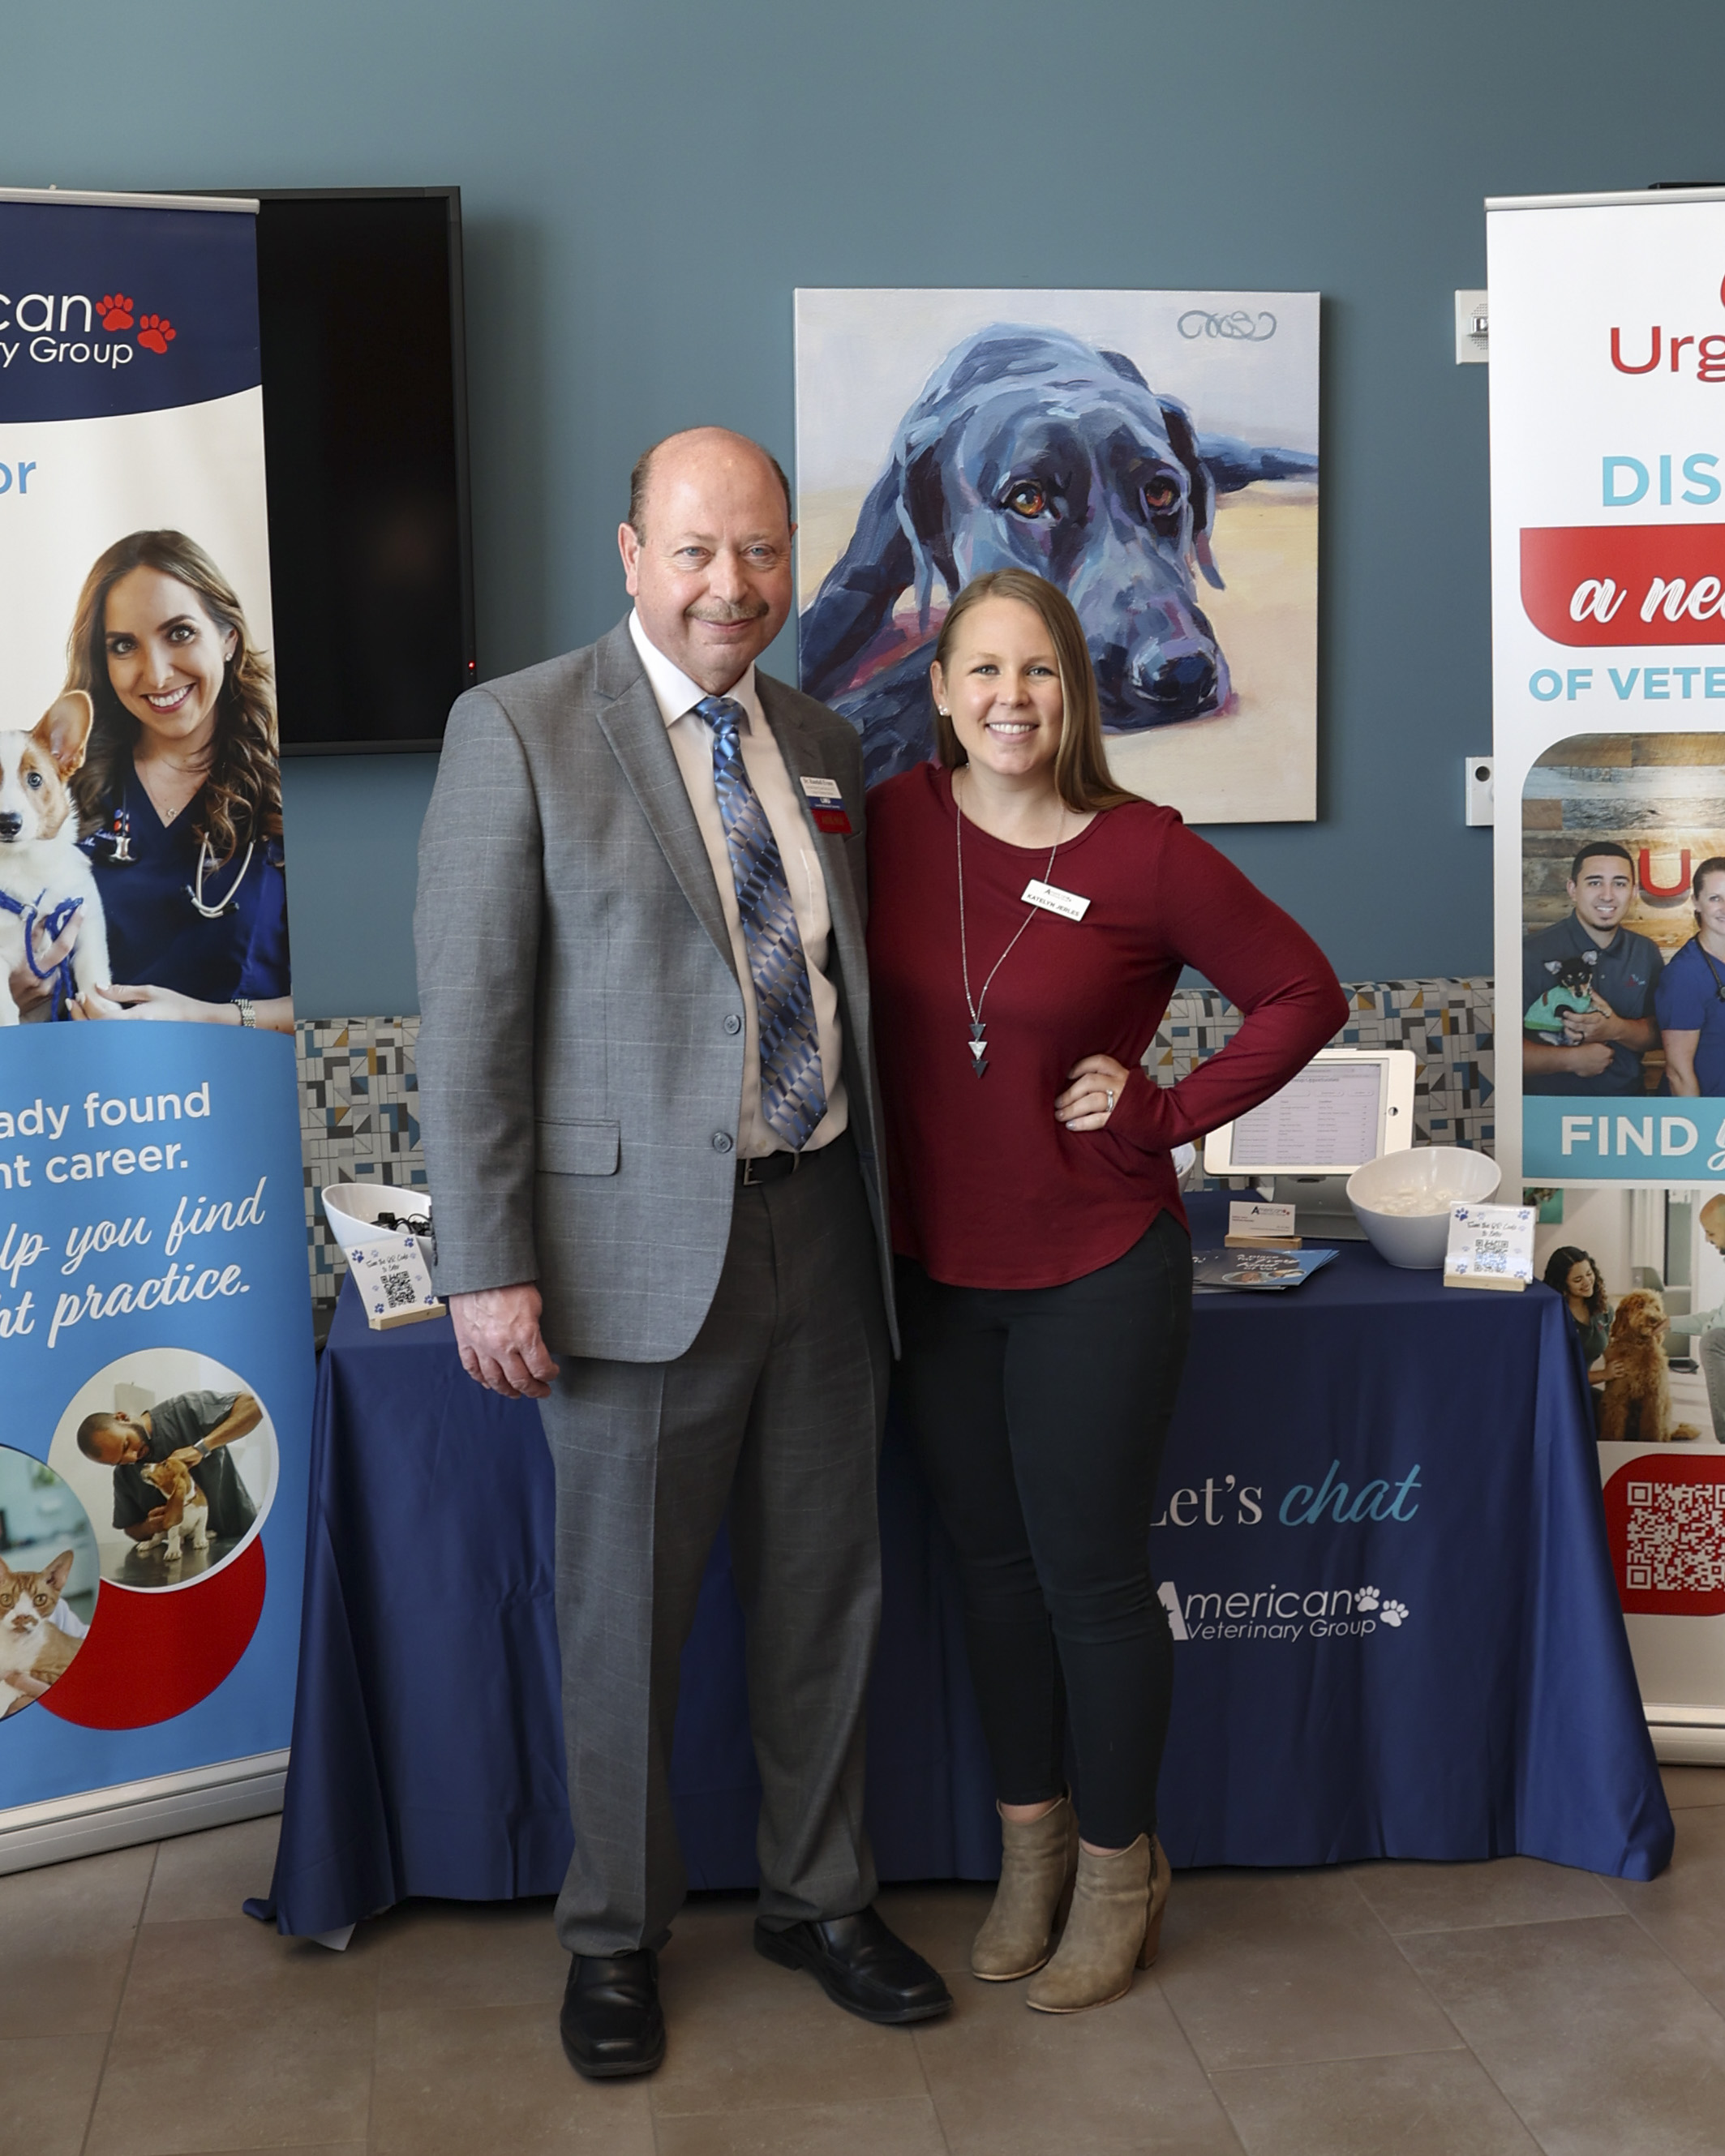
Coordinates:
[1114,1927]
[1038,1862]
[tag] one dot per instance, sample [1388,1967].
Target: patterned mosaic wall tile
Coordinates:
[359,1121]
[358,1092]
[1446,1023]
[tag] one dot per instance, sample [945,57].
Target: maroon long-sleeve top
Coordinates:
[988,1189]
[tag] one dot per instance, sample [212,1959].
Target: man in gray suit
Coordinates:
[650,1122]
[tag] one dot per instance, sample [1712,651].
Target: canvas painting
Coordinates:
[1154,454]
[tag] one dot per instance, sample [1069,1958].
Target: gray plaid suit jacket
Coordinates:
[580,1063]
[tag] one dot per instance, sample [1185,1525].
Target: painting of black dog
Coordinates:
[1031,446]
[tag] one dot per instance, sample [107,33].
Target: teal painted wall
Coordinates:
[644,183]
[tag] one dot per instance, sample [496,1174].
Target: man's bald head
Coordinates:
[706,553]
[695,443]
[1713,1221]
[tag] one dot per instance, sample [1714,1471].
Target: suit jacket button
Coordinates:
[722,1141]
[734,1023]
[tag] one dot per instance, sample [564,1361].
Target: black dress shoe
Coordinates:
[611,2024]
[860,1966]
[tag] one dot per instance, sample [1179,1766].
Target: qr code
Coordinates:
[400,1287]
[1674,1542]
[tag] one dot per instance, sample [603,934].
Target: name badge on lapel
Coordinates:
[1053,899]
[826,805]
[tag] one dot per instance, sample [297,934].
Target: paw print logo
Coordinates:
[1394,1613]
[114,308]
[156,332]
[1366,1599]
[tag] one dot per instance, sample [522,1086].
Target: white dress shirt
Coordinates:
[691,739]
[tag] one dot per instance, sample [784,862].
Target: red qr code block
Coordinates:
[1666,1522]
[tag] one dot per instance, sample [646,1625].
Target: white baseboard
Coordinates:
[1687,1736]
[131,1812]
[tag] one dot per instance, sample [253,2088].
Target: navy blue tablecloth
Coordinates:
[1381,1547]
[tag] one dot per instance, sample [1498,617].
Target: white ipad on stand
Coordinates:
[1348,1105]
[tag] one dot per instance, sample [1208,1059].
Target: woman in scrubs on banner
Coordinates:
[1690,999]
[181,791]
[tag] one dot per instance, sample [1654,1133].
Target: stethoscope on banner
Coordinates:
[118,840]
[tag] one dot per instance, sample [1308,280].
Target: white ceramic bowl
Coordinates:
[1448,1175]
[351,1210]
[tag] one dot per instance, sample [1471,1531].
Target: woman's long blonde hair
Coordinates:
[240,802]
[1080,771]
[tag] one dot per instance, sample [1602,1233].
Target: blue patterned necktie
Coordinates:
[793,1095]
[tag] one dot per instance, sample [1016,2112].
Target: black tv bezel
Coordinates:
[429,744]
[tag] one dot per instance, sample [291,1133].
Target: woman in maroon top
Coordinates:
[1029,920]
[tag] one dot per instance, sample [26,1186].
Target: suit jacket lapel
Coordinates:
[630,718]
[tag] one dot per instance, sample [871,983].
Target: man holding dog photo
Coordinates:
[1587,985]
[649,1105]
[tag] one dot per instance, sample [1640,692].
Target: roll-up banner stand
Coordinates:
[1607,318]
[155,1367]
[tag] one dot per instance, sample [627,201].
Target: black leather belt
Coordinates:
[775,1167]
[771,1168]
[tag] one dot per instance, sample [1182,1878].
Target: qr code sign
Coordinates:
[1666,1520]
[400,1287]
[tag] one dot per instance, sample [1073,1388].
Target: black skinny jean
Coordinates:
[1040,1415]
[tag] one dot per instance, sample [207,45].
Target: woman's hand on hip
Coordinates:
[1097,1084]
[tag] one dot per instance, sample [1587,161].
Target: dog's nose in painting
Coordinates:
[1161,680]
[10,824]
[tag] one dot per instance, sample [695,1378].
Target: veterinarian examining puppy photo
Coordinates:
[193,1428]
[179,796]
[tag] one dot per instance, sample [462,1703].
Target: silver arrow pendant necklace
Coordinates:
[978,1036]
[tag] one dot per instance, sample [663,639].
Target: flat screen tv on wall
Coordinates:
[365,435]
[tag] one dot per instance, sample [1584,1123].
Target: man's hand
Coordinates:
[1599,1023]
[1590,1059]
[497,1332]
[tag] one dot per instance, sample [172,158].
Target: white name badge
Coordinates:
[823,789]
[1053,899]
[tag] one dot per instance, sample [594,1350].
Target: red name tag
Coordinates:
[832,821]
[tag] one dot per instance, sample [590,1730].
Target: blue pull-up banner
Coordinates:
[155,1330]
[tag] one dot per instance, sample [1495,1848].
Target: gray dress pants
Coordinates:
[776,1411]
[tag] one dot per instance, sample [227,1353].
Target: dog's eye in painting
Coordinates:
[1025,498]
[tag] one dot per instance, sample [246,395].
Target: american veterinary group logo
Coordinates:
[1282,1613]
[68,329]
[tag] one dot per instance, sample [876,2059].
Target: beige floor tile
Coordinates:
[1687,1786]
[1271,1968]
[229,2037]
[743,2033]
[1007,2081]
[940,1920]
[210,1873]
[1602,2046]
[1422,2103]
[1684,1908]
[71,1925]
[906,2127]
[469,2080]
[1512,1890]
[47,2086]
[468,1953]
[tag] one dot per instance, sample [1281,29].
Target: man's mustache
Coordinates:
[728,617]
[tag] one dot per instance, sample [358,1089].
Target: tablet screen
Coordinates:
[1328,1117]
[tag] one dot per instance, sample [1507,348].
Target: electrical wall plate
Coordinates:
[1473,345]
[1477,793]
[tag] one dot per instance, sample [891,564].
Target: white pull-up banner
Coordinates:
[1608,583]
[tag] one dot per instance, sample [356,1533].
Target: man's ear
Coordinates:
[64,731]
